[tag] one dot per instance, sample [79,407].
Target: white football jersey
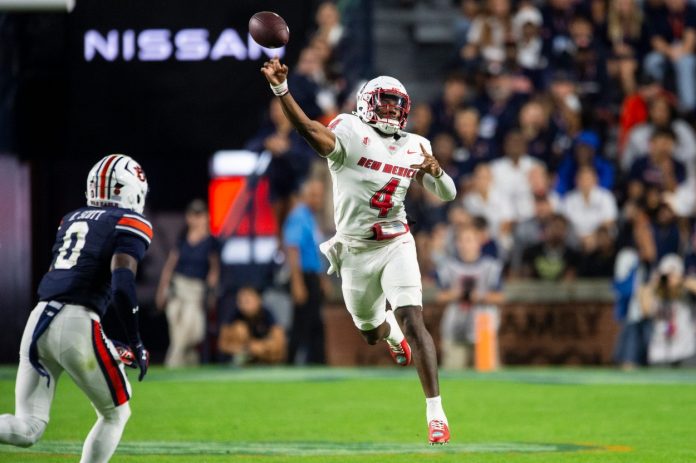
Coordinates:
[371,173]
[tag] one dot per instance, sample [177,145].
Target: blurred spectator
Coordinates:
[690,267]
[310,87]
[445,147]
[632,344]
[626,36]
[540,186]
[468,10]
[658,168]
[420,120]
[631,269]
[332,80]
[666,231]
[471,283]
[584,154]
[290,162]
[589,207]
[682,201]
[511,175]
[429,247]
[557,15]
[585,58]
[489,202]
[534,124]
[425,210]
[598,262]
[597,14]
[328,20]
[499,105]
[526,31]
[566,121]
[188,286]
[552,259]
[530,231]
[672,35]
[489,32]
[252,335]
[444,242]
[664,298]
[471,147]
[634,109]
[301,242]
[661,115]
[455,93]
[488,245]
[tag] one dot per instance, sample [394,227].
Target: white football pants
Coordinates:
[374,274]
[74,343]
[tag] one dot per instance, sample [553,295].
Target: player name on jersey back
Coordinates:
[86,241]
[87,215]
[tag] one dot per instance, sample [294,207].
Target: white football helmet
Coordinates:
[378,96]
[117,180]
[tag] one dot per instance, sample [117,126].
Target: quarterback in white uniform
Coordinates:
[372,163]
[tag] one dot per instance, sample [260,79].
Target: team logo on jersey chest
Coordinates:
[366,141]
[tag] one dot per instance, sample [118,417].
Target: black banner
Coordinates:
[174,78]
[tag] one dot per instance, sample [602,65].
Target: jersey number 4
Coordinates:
[382,200]
[69,253]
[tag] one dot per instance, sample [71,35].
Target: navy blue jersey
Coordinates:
[87,239]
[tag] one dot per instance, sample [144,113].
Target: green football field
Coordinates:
[377,415]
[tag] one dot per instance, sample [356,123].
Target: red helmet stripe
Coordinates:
[102,177]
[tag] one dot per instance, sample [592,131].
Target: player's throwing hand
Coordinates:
[275,72]
[429,164]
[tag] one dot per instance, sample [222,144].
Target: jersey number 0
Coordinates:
[382,200]
[67,256]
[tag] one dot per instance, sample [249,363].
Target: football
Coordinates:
[269,30]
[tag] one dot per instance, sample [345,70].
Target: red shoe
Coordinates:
[401,353]
[438,432]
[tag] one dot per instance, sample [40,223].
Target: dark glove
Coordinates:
[142,358]
[125,353]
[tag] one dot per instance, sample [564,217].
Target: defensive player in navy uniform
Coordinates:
[95,258]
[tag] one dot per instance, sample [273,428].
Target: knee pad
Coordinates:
[405,296]
[118,414]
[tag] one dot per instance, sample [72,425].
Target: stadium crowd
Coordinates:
[568,127]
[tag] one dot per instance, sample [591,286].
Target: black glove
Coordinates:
[125,353]
[142,358]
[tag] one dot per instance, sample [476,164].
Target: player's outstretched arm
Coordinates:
[320,138]
[123,270]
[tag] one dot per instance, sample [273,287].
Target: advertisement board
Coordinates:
[175,78]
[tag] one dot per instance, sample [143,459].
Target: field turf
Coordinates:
[377,415]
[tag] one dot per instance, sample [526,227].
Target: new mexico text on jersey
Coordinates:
[371,174]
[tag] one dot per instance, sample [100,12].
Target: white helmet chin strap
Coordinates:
[386,128]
